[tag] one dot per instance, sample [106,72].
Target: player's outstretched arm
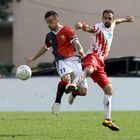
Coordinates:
[121,20]
[85,27]
[40,52]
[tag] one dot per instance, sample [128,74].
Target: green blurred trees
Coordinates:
[4,5]
[6,69]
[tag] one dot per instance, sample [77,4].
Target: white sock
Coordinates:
[107,106]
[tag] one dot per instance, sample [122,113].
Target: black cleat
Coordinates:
[109,123]
[69,88]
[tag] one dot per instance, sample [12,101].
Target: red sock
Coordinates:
[76,93]
[60,91]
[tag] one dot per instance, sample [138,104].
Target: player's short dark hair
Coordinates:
[50,13]
[107,11]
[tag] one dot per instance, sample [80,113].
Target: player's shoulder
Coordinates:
[100,24]
[49,35]
[113,24]
[67,28]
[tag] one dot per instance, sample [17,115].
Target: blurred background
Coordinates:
[23,31]
[24,104]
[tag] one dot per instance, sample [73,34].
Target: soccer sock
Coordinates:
[60,91]
[76,93]
[107,106]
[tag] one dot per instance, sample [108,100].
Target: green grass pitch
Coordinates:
[68,126]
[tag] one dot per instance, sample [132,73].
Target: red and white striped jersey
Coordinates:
[101,40]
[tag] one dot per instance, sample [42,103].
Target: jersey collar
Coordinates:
[61,26]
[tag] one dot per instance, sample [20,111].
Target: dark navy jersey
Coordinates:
[61,43]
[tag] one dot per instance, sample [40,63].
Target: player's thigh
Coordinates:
[90,64]
[77,67]
[66,78]
[78,71]
[100,77]
[63,69]
[88,70]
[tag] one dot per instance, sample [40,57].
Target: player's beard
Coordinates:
[55,28]
[107,25]
[52,28]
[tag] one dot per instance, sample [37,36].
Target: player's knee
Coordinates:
[83,91]
[88,71]
[66,78]
[108,89]
[110,92]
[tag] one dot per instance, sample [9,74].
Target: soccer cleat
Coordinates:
[109,123]
[71,99]
[55,108]
[69,88]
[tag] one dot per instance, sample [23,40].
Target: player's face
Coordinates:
[52,22]
[108,18]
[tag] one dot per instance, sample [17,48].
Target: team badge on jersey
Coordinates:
[50,41]
[62,37]
[109,35]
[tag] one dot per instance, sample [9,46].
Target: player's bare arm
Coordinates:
[85,27]
[121,20]
[78,47]
[41,51]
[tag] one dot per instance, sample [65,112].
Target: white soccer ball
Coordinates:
[23,72]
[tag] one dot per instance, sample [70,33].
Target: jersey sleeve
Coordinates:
[71,35]
[48,42]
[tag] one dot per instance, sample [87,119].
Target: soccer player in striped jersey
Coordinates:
[64,44]
[93,63]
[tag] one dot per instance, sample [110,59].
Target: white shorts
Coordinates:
[71,65]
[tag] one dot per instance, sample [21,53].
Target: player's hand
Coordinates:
[79,25]
[82,26]
[85,27]
[130,18]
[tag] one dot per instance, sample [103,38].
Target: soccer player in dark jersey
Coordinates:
[64,43]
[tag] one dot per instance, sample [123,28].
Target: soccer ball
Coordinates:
[23,72]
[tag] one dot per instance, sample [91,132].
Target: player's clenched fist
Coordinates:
[79,25]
